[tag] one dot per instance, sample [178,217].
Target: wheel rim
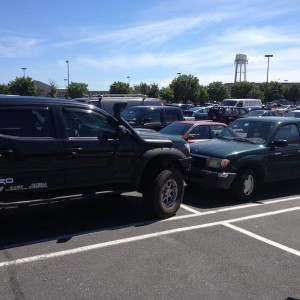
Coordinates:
[248,185]
[169,193]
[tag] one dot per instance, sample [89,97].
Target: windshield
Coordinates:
[132,114]
[195,108]
[248,130]
[176,129]
[228,102]
[255,113]
[284,106]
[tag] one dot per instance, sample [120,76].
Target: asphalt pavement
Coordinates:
[107,248]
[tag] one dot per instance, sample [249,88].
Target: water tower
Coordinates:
[240,67]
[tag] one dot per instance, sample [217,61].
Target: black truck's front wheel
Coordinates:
[163,193]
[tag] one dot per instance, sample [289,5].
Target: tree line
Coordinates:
[183,89]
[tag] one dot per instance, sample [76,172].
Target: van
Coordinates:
[107,103]
[247,103]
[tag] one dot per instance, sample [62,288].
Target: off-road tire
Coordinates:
[163,193]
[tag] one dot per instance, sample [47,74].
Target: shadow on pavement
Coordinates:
[35,223]
[61,220]
[202,199]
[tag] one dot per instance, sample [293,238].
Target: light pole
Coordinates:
[178,74]
[128,77]
[67,93]
[65,82]
[24,70]
[268,56]
[68,72]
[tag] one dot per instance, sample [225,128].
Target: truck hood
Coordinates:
[224,148]
[159,136]
[166,141]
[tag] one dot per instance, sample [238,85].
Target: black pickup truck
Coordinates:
[56,147]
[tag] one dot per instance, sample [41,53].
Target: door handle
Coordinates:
[75,150]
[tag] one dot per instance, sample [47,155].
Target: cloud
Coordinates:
[260,36]
[18,46]
[147,34]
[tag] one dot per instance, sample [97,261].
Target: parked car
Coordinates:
[191,111]
[185,107]
[225,114]
[287,108]
[262,113]
[152,117]
[194,131]
[54,147]
[294,113]
[246,154]
[199,113]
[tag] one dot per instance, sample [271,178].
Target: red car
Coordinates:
[194,131]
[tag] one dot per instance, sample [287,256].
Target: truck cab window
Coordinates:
[80,123]
[29,122]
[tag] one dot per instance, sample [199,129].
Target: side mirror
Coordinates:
[146,120]
[279,143]
[189,137]
[121,131]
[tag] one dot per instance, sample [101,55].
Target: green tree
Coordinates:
[77,90]
[256,93]
[4,89]
[142,88]
[242,89]
[185,88]
[153,91]
[166,94]
[119,87]
[272,91]
[203,96]
[292,92]
[23,86]
[217,91]
[53,89]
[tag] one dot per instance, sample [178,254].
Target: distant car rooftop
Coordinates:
[209,122]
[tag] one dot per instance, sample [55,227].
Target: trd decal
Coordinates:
[4,181]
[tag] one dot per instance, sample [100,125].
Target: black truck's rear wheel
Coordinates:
[163,193]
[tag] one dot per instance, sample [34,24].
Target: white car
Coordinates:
[294,113]
[287,108]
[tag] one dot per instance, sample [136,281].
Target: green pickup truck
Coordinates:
[246,154]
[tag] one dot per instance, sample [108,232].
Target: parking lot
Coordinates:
[106,248]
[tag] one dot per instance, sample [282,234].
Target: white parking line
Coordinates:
[137,238]
[197,213]
[260,238]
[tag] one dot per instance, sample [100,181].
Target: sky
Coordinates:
[148,41]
